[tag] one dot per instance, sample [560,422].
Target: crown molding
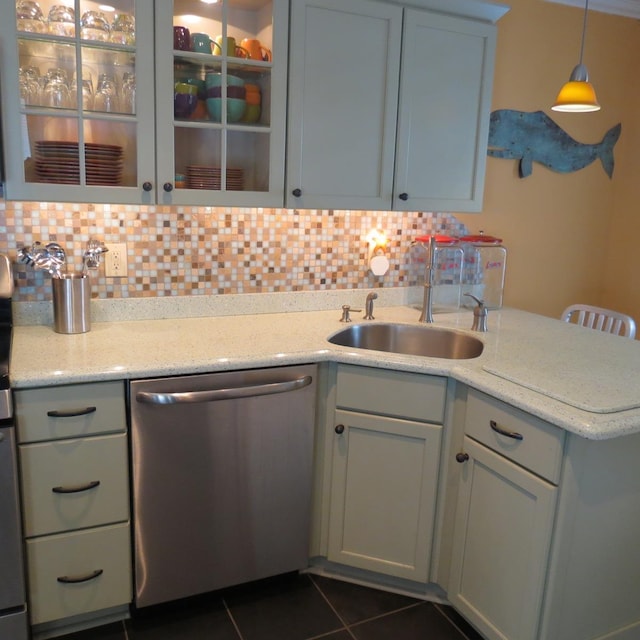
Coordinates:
[627,8]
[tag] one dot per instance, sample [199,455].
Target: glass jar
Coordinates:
[483,272]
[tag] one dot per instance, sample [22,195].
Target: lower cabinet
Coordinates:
[384,472]
[504,518]
[72,445]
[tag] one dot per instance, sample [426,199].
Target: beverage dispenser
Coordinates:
[483,271]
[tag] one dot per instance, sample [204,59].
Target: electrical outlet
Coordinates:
[115,260]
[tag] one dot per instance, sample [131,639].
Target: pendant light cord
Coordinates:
[584,29]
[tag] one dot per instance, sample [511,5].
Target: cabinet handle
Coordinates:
[147,186]
[77,488]
[297,192]
[505,432]
[84,578]
[167,186]
[339,429]
[404,196]
[71,413]
[462,457]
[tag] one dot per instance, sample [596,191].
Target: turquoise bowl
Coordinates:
[214,79]
[235,109]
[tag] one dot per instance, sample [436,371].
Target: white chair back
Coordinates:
[600,319]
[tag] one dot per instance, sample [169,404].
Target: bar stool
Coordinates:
[600,319]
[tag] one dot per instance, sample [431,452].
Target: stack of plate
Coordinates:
[59,162]
[203,177]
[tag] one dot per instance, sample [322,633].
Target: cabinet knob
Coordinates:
[404,196]
[167,186]
[297,192]
[339,429]
[462,457]
[147,186]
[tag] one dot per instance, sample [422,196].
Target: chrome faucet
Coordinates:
[427,300]
[368,306]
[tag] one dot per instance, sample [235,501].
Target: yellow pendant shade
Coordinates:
[576,95]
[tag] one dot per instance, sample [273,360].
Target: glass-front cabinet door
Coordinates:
[143,101]
[221,101]
[77,90]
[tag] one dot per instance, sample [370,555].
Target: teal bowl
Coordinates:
[235,109]
[214,79]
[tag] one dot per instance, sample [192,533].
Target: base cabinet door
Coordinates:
[383,494]
[502,535]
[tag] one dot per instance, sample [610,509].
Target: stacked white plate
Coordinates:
[204,177]
[58,162]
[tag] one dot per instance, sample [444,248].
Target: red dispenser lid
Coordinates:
[481,239]
[440,239]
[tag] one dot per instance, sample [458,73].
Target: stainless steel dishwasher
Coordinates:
[222,468]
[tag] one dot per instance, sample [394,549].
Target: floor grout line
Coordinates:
[233,620]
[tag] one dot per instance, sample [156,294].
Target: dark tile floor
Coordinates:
[291,607]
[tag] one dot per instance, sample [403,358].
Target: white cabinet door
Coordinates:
[502,535]
[344,66]
[383,494]
[346,105]
[445,100]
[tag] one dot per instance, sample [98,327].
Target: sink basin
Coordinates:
[408,339]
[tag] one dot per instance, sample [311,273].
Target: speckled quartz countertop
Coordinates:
[581,380]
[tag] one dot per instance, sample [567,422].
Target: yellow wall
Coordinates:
[571,237]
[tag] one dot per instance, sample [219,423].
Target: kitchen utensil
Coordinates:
[71,297]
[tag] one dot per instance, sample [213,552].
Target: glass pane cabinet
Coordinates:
[145,102]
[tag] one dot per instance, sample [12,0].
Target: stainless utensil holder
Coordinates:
[71,297]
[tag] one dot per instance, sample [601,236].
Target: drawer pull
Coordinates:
[504,432]
[77,488]
[71,413]
[462,457]
[76,579]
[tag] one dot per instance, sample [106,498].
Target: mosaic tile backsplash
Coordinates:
[181,251]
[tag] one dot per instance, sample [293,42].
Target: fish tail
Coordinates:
[606,148]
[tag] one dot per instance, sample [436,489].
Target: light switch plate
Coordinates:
[115,260]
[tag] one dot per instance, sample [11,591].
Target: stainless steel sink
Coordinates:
[407,339]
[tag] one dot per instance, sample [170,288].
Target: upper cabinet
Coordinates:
[177,102]
[389,104]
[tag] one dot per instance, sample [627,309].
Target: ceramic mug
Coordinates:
[181,39]
[200,43]
[255,50]
[233,49]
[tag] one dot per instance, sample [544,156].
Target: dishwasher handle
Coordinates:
[212,395]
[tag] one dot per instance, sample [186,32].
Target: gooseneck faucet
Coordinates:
[368,306]
[427,301]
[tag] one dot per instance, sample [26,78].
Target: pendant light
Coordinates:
[578,95]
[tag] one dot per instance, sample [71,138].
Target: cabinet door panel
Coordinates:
[501,544]
[383,494]
[344,67]
[445,95]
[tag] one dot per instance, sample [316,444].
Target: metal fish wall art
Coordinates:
[534,137]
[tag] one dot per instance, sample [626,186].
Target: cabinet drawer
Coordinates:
[103,553]
[392,393]
[58,484]
[539,449]
[53,413]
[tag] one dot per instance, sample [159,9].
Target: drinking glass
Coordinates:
[123,29]
[106,95]
[94,26]
[62,21]
[56,94]
[129,92]
[29,17]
